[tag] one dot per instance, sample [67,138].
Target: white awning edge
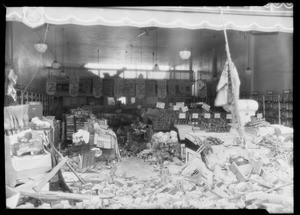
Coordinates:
[143,18]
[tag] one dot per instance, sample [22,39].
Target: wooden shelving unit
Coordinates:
[276,108]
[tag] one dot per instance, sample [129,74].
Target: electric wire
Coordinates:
[41,54]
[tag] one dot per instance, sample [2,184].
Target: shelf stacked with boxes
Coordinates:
[275,108]
[286,104]
[260,100]
[272,107]
[32,95]
[70,126]
[79,123]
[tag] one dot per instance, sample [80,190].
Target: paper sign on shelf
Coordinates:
[195,115]
[180,104]
[175,107]
[182,115]
[228,116]
[206,107]
[207,115]
[259,116]
[217,115]
[185,109]
[160,105]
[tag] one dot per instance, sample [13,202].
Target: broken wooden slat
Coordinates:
[71,168]
[50,174]
[220,192]
[239,175]
[281,186]
[52,195]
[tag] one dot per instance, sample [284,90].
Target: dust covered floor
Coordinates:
[259,175]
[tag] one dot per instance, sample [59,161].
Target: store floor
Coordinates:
[135,167]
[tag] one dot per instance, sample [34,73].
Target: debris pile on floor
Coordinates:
[227,177]
[165,145]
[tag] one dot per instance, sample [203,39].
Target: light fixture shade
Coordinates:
[156,67]
[248,71]
[184,55]
[41,47]
[55,64]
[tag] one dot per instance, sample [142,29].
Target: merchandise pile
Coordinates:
[213,124]
[162,119]
[165,145]
[227,177]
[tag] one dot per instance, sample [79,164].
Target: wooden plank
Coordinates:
[52,195]
[10,173]
[32,172]
[30,183]
[50,175]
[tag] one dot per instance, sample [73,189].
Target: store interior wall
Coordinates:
[26,59]
[273,62]
[238,52]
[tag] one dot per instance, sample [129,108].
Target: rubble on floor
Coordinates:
[231,178]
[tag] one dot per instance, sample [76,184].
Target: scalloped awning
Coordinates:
[269,18]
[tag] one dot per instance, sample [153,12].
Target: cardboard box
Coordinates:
[31,165]
[35,110]
[12,197]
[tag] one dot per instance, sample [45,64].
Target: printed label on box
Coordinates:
[175,107]
[228,116]
[160,105]
[206,107]
[207,115]
[195,115]
[217,115]
[180,104]
[182,115]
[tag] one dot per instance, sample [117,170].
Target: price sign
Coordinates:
[206,107]
[217,115]
[287,91]
[228,116]
[175,107]
[182,115]
[180,104]
[207,115]
[185,109]
[269,92]
[259,116]
[254,93]
[160,105]
[195,115]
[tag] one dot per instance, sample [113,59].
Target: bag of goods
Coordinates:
[81,136]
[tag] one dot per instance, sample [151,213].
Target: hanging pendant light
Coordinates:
[62,73]
[99,63]
[55,64]
[156,67]
[185,54]
[141,75]
[42,46]
[248,70]
[70,57]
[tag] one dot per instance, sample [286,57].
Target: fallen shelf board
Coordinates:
[50,174]
[52,195]
[32,172]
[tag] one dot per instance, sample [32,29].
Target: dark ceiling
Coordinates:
[81,44]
